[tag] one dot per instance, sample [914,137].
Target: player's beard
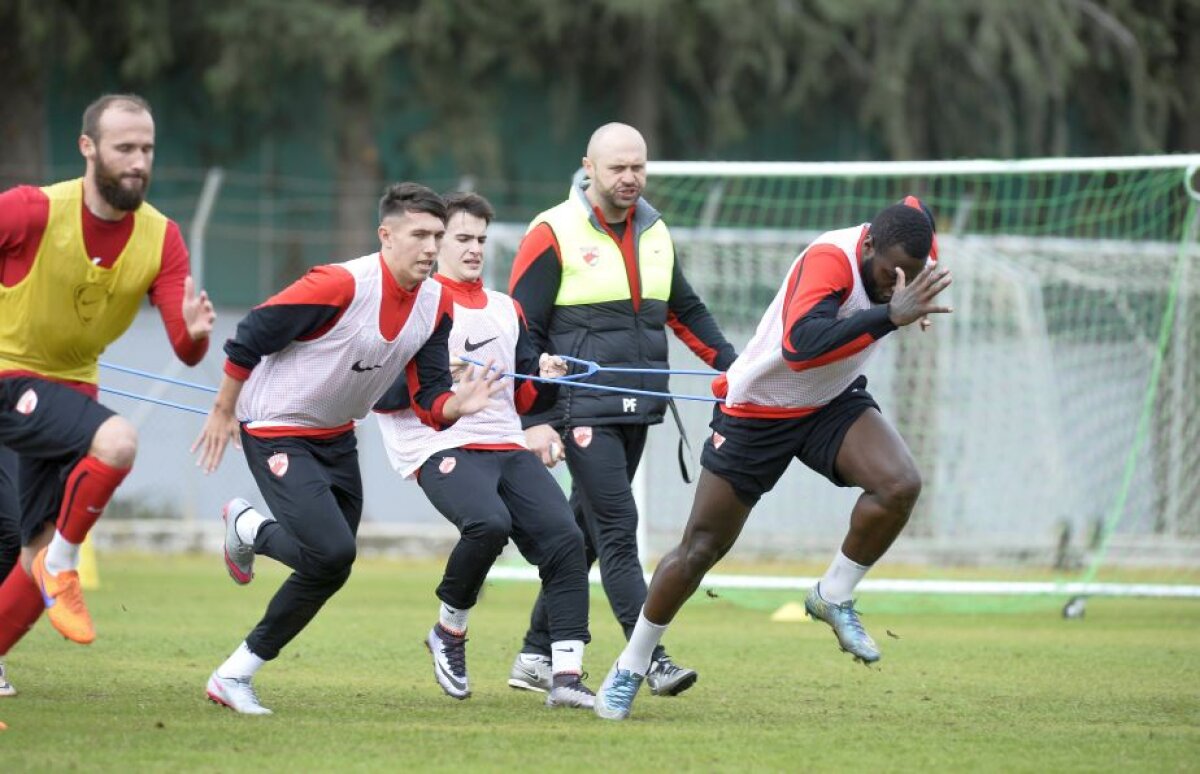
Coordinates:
[112,190]
[610,198]
[867,272]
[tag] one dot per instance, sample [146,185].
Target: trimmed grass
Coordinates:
[1022,691]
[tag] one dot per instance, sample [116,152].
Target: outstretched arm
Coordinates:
[221,426]
[694,324]
[188,316]
[425,385]
[812,332]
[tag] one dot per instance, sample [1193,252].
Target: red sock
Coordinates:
[20,607]
[89,488]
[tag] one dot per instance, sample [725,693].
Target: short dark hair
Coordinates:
[400,198]
[92,113]
[470,203]
[899,224]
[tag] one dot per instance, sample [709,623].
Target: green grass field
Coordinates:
[1015,691]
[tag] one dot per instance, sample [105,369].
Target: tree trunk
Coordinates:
[642,101]
[23,119]
[1187,40]
[359,182]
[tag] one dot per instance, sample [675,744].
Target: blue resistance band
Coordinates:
[572,380]
[160,402]
[156,377]
[593,368]
[159,378]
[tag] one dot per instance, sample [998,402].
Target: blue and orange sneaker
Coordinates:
[63,598]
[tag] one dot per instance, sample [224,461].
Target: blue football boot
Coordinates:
[844,621]
[615,699]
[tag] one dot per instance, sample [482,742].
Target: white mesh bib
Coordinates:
[483,334]
[761,377]
[335,379]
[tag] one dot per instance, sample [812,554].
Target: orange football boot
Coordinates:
[64,601]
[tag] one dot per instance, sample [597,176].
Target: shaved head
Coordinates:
[615,138]
[616,165]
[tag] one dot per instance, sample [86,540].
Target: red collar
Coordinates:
[601,219]
[469,294]
[391,287]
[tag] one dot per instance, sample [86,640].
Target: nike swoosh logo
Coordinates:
[363,369]
[529,672]
[459,684]
[472,347]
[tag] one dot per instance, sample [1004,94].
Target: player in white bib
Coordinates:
[482,477]
[798,391]
[302,368]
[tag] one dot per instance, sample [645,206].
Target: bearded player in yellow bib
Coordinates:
[76,261]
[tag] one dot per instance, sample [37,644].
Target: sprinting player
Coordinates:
[482,477]
[798,391]
[599,279]
[301,369]
[77,258]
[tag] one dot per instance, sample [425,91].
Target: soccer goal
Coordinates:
[1055,416]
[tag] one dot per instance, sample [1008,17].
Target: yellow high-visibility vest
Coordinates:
[593,268]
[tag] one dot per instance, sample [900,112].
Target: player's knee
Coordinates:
[618,540]
[573,542]
[492,532]
[701,552]
[115,443]
[564,544]
[901,491]
[335,561]
[337,580]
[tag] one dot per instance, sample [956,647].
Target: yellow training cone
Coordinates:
[792,612]
[89,571]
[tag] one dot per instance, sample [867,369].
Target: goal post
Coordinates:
[1055,416]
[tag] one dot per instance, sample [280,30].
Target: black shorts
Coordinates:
[50,426]
[307,482]
[752,454]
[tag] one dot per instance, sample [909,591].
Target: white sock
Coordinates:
[242,663]
[641,645]
[61,554]
[452,620]
[840,579]
[566,657]
[248,523]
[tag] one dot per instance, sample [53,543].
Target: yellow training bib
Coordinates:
[67,310]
